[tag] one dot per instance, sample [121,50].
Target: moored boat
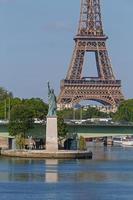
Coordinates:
[123,141]
[117,141]
[127,142]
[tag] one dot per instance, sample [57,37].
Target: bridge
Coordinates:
[85,130]
[101,130]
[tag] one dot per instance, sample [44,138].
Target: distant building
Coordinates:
[101,108]
[6,141]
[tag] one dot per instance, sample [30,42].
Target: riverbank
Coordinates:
[61,154]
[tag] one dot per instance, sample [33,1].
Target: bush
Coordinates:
[82,144]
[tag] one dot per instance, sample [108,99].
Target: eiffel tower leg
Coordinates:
[75,68]
[105,65]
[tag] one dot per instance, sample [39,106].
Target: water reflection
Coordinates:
[108,176]
[108,165]
[51,171]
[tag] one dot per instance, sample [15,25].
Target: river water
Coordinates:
[108,176]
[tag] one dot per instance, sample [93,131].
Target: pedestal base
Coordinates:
[51,134]
[63,154]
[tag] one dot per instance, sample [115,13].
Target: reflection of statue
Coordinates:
[52,102]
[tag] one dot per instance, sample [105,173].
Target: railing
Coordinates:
[90,37]
[94,81]
[102,124]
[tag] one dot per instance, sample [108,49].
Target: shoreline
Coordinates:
[61,154]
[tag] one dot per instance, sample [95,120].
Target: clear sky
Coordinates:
[36,43]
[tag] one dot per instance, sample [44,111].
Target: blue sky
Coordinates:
[36,43]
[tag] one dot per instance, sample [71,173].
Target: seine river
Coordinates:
[108,176]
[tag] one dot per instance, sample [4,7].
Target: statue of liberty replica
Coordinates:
[51,124]
[52,102]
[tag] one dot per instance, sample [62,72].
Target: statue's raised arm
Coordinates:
[48,88]
[52,102]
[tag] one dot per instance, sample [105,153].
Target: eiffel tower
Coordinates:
[103,88]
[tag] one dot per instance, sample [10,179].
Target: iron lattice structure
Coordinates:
[90,38]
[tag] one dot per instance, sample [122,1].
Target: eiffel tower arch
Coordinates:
[103,88]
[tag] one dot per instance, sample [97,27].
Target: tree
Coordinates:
[5,97]
[93,113]
[15,101]
[67,113]
[20,141]
[22,119]
[4,94]
[39,108]
[82,143]
[89,113]
[125,111]
[62,128]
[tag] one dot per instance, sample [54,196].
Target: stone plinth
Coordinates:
[51,134]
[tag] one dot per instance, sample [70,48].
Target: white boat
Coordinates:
[127,142]
[117,141]
[122,141]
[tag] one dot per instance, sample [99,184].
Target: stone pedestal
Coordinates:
[51,134]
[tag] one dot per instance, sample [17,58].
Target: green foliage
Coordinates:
[5,97]
[93,113]
[81,113]
[67,113]
[21,120]
[39,108]
[15,101]
[62,127]
[7,103]
[23,112]
[125,111]
[3,106]
[20,141]
[82,144]
[4,94]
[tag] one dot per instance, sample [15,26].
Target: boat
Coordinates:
[122,141]
[117,141]
[127,142]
